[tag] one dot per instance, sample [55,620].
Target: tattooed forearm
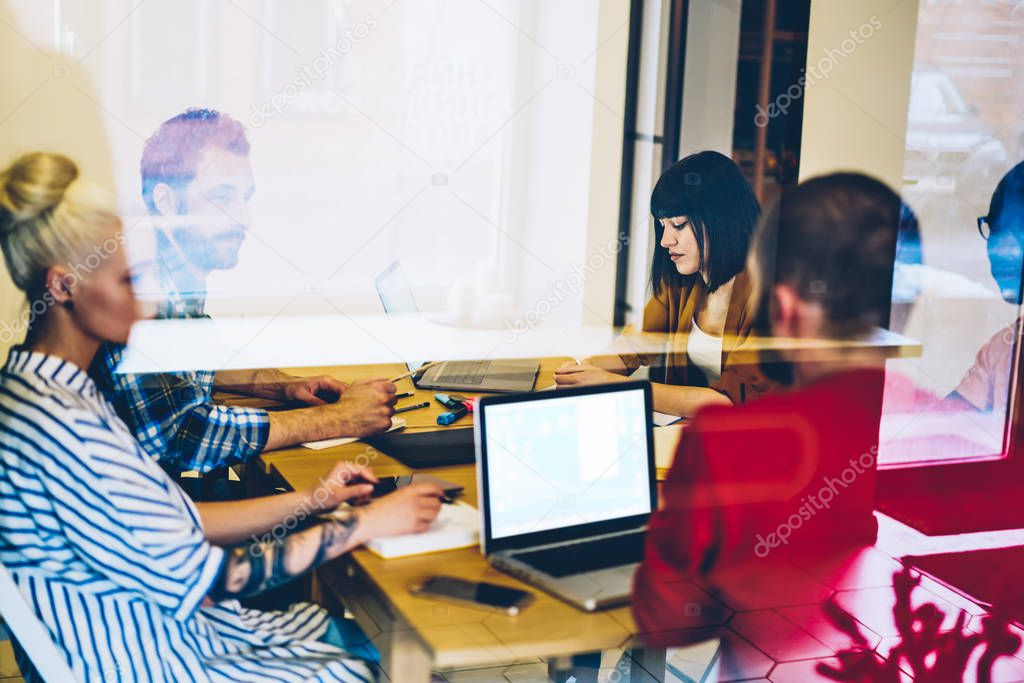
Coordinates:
[254,568]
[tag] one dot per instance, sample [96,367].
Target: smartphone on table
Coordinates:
[475,594]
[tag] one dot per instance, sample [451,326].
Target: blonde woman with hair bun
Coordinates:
[130,577]
[61,238]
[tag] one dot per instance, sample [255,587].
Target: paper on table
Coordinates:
[396,423]
[457,526]
[663,419]
[666,440]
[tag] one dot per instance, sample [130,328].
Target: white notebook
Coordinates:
[456,526]
[663,419]
[666,441]
[396,423]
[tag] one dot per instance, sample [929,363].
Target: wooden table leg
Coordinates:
[403,655]
[648,665]
[579,668]
[406,658]
[559,669]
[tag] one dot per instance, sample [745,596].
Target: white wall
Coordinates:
[709,98]
[41,94]
[855,118]
[606,155]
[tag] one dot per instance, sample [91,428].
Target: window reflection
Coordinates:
[958,271]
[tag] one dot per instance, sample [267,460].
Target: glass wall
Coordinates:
[457,138]
[958,273]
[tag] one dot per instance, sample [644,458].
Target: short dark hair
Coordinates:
[833,238]
[710,190]
[1006,210]
[170,156]
[908,243]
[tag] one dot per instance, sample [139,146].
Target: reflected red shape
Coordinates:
[925,651]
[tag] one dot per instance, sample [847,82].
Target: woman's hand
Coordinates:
[410,509]
[579,374]
[346,482]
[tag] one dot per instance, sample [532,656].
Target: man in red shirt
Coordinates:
[759,493]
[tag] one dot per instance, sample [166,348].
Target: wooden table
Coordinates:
[417,635]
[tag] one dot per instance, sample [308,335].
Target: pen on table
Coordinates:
[378,491]
[417,406]
[405,394]
[412,373]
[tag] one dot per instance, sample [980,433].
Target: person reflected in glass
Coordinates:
[986,385]
[704,213]
[197,182]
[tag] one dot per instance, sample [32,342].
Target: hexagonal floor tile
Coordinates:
[778,637]
[873,607]
[754,586]
[863,568]
[812,619]
[740,660]
[737,659]
[804,671]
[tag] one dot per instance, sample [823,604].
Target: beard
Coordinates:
[208,250]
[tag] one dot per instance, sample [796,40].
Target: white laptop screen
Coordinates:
[396,296]
[566,461]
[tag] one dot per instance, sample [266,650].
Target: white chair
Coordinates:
[32,636]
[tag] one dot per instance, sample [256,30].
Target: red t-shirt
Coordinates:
[759,484]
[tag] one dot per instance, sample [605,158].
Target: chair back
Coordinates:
[31,636]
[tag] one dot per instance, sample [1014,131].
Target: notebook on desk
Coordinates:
[396,424]
[456,526]
[666,442]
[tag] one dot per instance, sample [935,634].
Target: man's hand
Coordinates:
[280,386]
[408,510]
[573,374]
[366,407]
[313,391]
[346,482]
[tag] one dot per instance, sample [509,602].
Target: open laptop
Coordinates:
[567,484]
[500,376]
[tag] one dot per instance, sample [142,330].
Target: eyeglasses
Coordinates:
[984,229]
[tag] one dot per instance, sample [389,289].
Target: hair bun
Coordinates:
[31,186]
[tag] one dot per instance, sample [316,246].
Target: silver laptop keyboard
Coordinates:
[587,555]
[463,372]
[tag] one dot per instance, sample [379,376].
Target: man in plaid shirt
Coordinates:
[197,182]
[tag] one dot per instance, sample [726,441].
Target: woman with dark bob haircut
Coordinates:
[704,214]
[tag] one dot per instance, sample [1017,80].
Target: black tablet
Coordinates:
[428,449]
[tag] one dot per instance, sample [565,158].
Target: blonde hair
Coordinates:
[49,216]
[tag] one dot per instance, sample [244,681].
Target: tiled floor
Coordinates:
[779,632]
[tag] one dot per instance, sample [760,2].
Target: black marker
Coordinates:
[425,404]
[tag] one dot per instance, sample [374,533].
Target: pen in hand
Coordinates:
[412,373]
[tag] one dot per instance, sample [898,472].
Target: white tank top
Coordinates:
[705,351]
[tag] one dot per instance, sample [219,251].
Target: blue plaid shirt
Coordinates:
[172,414]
